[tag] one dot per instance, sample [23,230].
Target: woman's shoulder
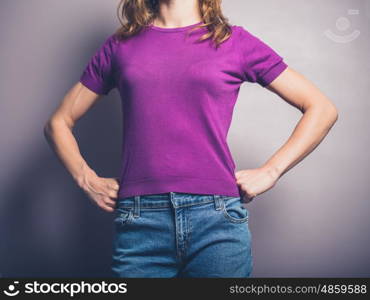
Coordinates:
[242,32]
[113,38]
[112,41]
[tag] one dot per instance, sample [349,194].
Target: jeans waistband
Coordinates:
[171,199]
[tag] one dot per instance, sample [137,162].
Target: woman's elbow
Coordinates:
[328,112]
[52,124]
[49,127]
[332,112]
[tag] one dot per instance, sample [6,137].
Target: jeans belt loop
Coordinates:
[218,202]
[137,206]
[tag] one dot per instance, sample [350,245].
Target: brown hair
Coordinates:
[134,15]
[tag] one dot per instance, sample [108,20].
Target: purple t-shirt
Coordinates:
[177,98]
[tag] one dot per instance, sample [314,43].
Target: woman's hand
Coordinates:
[101,191]
[253,182]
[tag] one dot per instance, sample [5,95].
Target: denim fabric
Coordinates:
[181,235]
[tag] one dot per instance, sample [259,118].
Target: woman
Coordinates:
[178,203]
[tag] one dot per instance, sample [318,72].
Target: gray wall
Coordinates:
[314,222]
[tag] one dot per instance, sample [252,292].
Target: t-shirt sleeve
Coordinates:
[259,62]
[98,74]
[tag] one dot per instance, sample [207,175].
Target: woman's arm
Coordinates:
[58,132]
[319,115]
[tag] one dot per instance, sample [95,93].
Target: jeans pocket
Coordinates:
[123,217]
[233,210]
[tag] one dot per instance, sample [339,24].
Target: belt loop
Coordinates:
[173,199]
[137,206]
[218,202]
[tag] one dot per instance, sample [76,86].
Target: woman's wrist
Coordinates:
[82,176]
[274,170]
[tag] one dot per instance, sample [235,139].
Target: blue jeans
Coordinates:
[181,235]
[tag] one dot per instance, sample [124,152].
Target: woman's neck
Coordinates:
[177,13]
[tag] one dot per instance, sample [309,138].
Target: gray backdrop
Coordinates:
[313,223]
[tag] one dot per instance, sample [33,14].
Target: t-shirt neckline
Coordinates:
[174,29]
